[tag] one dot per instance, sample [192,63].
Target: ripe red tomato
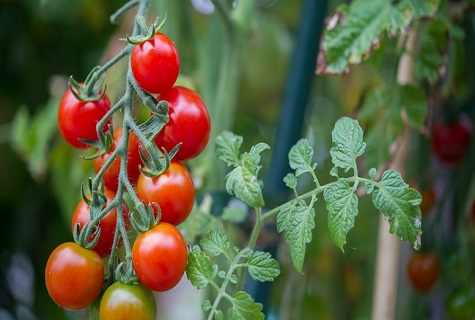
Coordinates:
[159,257]
[188,123]
[173,191]
[155,64]
[423,271]
[127,301]
[111,176]
[107,224]
[450,141]
[78,119]
[74,276]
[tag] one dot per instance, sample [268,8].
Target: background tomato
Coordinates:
[74,276]
[189,123]
[107,224]
[155,64]
[111,176]
[173,191]
[78,119]
[429,199]
[423,271]
[450,140]
[159,257]
[127,301]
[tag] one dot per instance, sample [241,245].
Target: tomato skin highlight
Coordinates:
[107,224]
[173,191]
[423,271]
[127,301]
[159,257]
[155,64]
[111,176]
[450,141]
[189,123]
[74,276]
[78,119]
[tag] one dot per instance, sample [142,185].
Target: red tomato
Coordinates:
[78,119]
[74,276]
[173,191]
[127,301]
[159,257]
[423,271]
[450,141]
[111,176]
[188,123]
[155,64]
[107,224]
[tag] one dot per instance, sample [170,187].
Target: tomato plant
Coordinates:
[429,200]
[74,276]
[450,140]
[172,190]
[155,64]
[159,257]
[127,301]
[189,123]
[423,271]
[107,224]
[111,175]
[77,119]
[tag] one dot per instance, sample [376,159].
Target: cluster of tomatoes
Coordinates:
[75,275]
[450,141]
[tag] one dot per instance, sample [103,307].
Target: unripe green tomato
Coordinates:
[127,301]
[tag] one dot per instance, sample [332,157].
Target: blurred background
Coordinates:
[43,42]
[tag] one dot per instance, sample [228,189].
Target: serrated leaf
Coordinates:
[290,181]
[262,267]
[227,148]
[300,158]
[400,206]
[368,188]
[244,184]
[297,222]
[334,172]
[372,172]
[342,206]
[245,308]
[222,274]
[424,8]
[347,143]
[258,148]
[199,269]
[215,242]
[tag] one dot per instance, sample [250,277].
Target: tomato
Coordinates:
[450,141]
[127,301]
[107,224]
[429,199]
[159,257]
[188,123]
[155,64]
[423,271]
[473,211]
[74,276]
[111,176]
[78,119]
[173,191]
[461,305]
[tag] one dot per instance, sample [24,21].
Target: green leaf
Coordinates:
[262,267]
[414,101]
[206,305]
[423,8]
[300,158]
[197,224]
[244,184]
[245,308]
[297,221]
[372,172]
[432,44]
[199,269]
[342,206]
[400,206]
[347,143]
[290,181]
[227,148]
[215,242]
